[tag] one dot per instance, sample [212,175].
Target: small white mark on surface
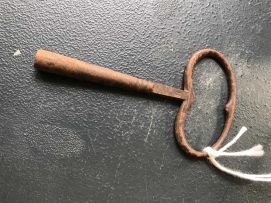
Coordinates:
[91,143]
[17,53]
[149,128]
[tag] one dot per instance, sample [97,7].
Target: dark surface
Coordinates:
[62,140]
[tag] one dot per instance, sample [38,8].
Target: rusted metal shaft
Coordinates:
[56,63]
[63,65]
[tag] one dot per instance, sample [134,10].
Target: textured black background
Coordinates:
[62,140]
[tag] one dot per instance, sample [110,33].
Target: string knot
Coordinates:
[255,151]
[211,152]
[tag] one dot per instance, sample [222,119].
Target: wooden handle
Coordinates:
[55,63]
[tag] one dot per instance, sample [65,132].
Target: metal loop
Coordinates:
[188,86]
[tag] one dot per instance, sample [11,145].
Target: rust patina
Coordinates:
[55,63]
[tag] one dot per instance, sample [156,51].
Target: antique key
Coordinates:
[59,64]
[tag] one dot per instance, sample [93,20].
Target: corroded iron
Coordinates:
[55,63]
[186,104]
[63,65]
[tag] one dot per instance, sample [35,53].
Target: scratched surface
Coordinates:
[62,140]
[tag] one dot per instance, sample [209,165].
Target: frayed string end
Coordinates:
[255,151]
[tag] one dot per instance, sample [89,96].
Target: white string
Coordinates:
[255,151]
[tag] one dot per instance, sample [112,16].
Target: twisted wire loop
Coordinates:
[186,104]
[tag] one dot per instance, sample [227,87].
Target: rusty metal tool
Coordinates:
[55,63]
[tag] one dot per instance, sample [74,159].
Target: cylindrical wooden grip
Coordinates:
[63,65]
